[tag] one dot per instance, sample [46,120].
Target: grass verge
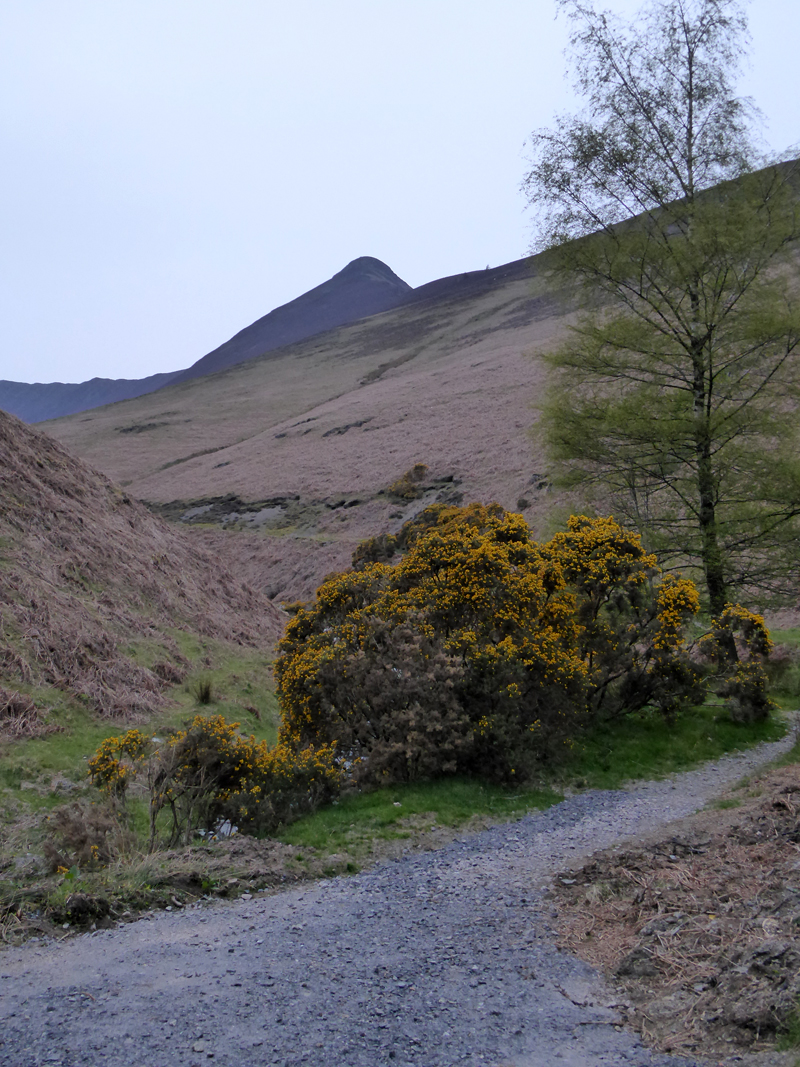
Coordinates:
[359,827]
[357,830]
[646,746]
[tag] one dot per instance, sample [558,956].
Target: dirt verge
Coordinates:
[699,930]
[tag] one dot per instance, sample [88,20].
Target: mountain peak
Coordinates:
[364,287]
[370,268]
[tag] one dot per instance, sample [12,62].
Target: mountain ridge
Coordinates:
[362,289]
[366,286]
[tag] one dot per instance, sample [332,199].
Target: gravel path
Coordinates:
[436,960]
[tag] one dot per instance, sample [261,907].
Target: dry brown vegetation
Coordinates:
[334,421]
[85,568]
[701,929]
[19,716]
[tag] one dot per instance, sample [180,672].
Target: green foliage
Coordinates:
[674,399]
[742,678]
[482,651]
[203,691]
[355,822]
[208,773]
[644,745]
[783,668]
[789,1037]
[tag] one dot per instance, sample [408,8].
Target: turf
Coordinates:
[646,746]
[397,812]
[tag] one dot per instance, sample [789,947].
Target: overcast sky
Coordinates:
[174,169]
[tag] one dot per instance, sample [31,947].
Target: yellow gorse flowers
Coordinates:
[537,638]
[209,772]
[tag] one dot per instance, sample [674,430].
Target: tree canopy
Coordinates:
[674,397]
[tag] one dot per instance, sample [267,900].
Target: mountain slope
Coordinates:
[284,462]
[87,573]
[363,288]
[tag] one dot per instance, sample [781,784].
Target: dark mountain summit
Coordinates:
[365,287]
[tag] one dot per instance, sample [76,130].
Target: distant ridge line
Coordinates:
[365,287]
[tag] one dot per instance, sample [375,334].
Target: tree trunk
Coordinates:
[711,553]
[701,389]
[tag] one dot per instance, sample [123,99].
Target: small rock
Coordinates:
[638,964]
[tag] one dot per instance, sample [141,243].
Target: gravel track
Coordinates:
[434,960]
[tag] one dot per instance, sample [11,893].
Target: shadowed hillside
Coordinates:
[365,287]
[37,402]
[87,573]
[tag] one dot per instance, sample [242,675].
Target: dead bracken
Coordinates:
[700,930]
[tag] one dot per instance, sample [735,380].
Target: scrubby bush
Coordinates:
[481,650]
[116,762]
[85,835]
[738,647]
[407,486]
[209,773]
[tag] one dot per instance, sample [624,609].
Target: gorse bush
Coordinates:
[407,486]
[85,835]
[739,645]
[116,762]
[481,650]
[208,773]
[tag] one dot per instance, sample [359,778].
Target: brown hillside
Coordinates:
[293,452]
[85,569]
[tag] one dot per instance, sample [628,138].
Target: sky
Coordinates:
[174,169]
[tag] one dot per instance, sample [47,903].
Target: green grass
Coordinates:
[789,1037]
[645,746]
[359,827]
[349,825]
[785,676]
[792,756]
[241,679]
[725,803]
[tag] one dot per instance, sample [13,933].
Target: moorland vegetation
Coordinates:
[465,649]
[460,665]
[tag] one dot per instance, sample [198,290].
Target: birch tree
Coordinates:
[674,398]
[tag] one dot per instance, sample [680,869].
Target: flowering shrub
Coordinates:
[738,646]
[631,620]
[481,650]
[407,486]
[117,761]
[209,773]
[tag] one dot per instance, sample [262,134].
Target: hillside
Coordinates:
[95,591]
[37,402]
[293,452]
[363,288]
